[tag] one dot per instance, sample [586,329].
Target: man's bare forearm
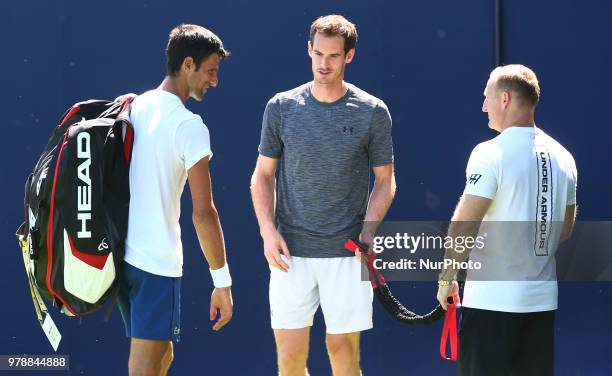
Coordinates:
[465,223]
[210,235]
[458,230]
[380,201]
[263,192]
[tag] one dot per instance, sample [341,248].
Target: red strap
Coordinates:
[449,331]
[128,143]
[128,136]
[376,276]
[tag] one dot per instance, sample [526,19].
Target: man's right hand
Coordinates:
[273,242]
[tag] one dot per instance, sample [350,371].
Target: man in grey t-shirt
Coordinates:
[323,137]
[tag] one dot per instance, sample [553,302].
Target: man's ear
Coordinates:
[310,48]
[505,99]
[350,55]
[188,64]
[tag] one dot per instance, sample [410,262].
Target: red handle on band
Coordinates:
[376,277]
[449,330]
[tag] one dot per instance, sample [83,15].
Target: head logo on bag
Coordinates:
[84,191]
[77,201]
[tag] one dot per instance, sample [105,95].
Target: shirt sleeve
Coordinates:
[481,174]
[380,144]
[271,144]
[192,141]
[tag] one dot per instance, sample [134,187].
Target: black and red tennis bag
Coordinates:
[76,208]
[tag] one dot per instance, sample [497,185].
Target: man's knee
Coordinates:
[168,357]
[343,347]
[292,348]
[292,356]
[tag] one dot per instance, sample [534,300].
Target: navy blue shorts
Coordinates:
[150,304]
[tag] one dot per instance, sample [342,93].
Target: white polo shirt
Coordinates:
[531,179]
[168,140]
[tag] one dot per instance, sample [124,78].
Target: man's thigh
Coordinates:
[293,341]
[294,296]
[149,305]
[488,341]
[346,300]
[536,348]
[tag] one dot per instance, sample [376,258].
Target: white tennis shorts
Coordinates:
[334,283]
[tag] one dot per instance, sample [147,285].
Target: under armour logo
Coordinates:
[346,129]
[474,178]
[103,245]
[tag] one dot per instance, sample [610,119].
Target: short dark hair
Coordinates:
[519,80]
[335,25]
[193,41]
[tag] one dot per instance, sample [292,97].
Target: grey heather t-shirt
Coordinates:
[326,151]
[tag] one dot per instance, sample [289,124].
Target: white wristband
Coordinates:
[221,277]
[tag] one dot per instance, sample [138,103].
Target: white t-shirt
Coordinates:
[168,140]
[531,179]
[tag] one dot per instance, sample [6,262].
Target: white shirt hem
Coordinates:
[152,270]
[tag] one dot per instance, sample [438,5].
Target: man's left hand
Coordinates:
[221,302]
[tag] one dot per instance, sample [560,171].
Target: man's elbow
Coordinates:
[254,181]
[258,179]
[389,186]
[203,215]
